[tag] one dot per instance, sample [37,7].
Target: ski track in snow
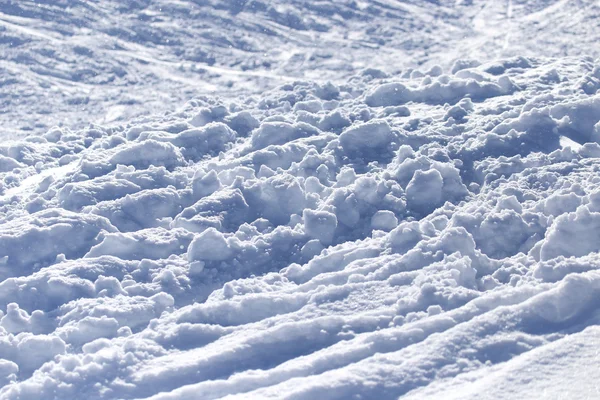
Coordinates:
[309,225]
[102,49]
[509,16]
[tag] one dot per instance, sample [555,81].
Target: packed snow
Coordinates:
[367,211]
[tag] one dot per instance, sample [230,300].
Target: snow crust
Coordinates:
[331,233]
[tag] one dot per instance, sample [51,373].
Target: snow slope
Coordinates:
[299,199]
[424,234]
[71,62]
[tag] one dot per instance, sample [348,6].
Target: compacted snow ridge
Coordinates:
[320,222]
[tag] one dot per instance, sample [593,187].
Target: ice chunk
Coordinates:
[424,191]
[369,140]
[384,220]
[210,245]
[573,234]
[320,225]
[150,152]
[280,132]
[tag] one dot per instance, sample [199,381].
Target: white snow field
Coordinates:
[75,62]
[363,199]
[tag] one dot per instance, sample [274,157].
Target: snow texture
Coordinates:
[71,63]
[323,226]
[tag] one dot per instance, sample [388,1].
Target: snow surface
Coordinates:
[335,223]
[73,62]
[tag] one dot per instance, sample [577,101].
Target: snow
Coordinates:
[299,200]
[209,245]
[320,225]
